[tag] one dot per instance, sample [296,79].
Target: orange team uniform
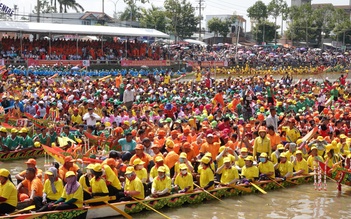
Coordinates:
[35,184]
[275,140]
[171,158]
[219,99]
[196,148]
[190,155]
[212,148]
[37,172]
[118,81]
[63,170]
[145,158]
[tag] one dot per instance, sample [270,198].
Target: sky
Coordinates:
[211,7]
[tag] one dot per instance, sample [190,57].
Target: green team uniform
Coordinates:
[11,143]
[52,137]
[26,142]
[43,139]
[70,135]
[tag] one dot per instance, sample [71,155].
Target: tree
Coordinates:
[311,24]
[67,4]
[269,34]
[131,13]
[276,8]
[221,27]
[259,13]
[181,16]
[44,7]
[342,27]
[154,17]
[214,25]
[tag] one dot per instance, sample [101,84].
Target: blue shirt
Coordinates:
[127,146]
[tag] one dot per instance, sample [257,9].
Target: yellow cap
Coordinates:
[298,152]
[183,166]
[138,161]
[4,173]
[282,154]
[226,160]
[24,130]
[208,154]
[280,147]
[263,154]
[3,129]
[37,144]
[249,158]
[343,136]
[313,147]
[90,166]
[205,160]
[320,138]
[161,169]
[13,130]
[298,141]
[169,143]
[130,170]
[49,173]
[158,159]
[97,168]
[243,150]
[183,155]
[69,173]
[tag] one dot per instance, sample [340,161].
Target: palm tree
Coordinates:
[131,13]
[67,4]
[154,17]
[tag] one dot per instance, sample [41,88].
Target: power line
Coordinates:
[226,4]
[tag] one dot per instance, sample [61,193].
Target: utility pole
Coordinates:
[103,6]
[38,11]
[200,7]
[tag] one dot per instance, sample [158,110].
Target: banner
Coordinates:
[206,64]
[34,62]
[86,63]
[138,63]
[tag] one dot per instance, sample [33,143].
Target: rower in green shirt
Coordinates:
[12,141]
[3,136]
[66,133]
[25,140]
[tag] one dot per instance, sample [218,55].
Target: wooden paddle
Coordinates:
[276,182]
[209,193]
[241,188]
[146,205]
[258,188]
[118,210]
[24,210]
[100,199]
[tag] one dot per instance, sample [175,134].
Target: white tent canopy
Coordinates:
[195,42]
[30,27]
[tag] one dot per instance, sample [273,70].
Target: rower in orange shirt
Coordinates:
[139,153]
[31,163]
[210,146]
[171,157]
[68,166]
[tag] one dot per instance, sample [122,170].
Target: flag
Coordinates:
[56,153]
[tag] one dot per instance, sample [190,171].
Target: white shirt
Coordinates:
[270,120]
[128,96]
[91,118]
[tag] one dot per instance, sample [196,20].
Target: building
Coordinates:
[298,3]
[240,21]
[87,18]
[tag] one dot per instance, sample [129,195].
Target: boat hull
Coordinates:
[22,154]
[172,201]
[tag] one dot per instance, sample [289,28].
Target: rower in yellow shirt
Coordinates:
[276,153]
[249,171]
[206,174]
[265,167]
[8,193]
[300,164]
[140,171]
[314,159]
[133,188]
[229,174]
[159,162]
[84,181]
[292,133]
[262,143]
[98,184]
[162,184]
[53,188]
[284,167]
[240,163]
[113,184]
[223,153]
[182,160]
[184,180]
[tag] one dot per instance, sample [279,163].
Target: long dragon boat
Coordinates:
[172,201]
[341,175]
[21,154]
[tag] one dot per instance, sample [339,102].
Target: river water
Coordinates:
[300,202]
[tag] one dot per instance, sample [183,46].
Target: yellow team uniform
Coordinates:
[229,174]
[48,190]
[274,158]
[177,170]
[112,178]
[141,174]
[184,182]
[292,135]
[162,184]
[77,119]
[82,181]
[285,168]
[154,173]
[312,163]
[262,145]
[206,176]
[250,172]
[9,191]
[220,161]
[76,195]
[98,186]
[240,162]
[267,167]
[135,185]
[301,165]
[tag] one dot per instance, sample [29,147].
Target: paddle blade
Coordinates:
[258,188]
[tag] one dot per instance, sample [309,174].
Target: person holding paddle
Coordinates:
[229,174]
